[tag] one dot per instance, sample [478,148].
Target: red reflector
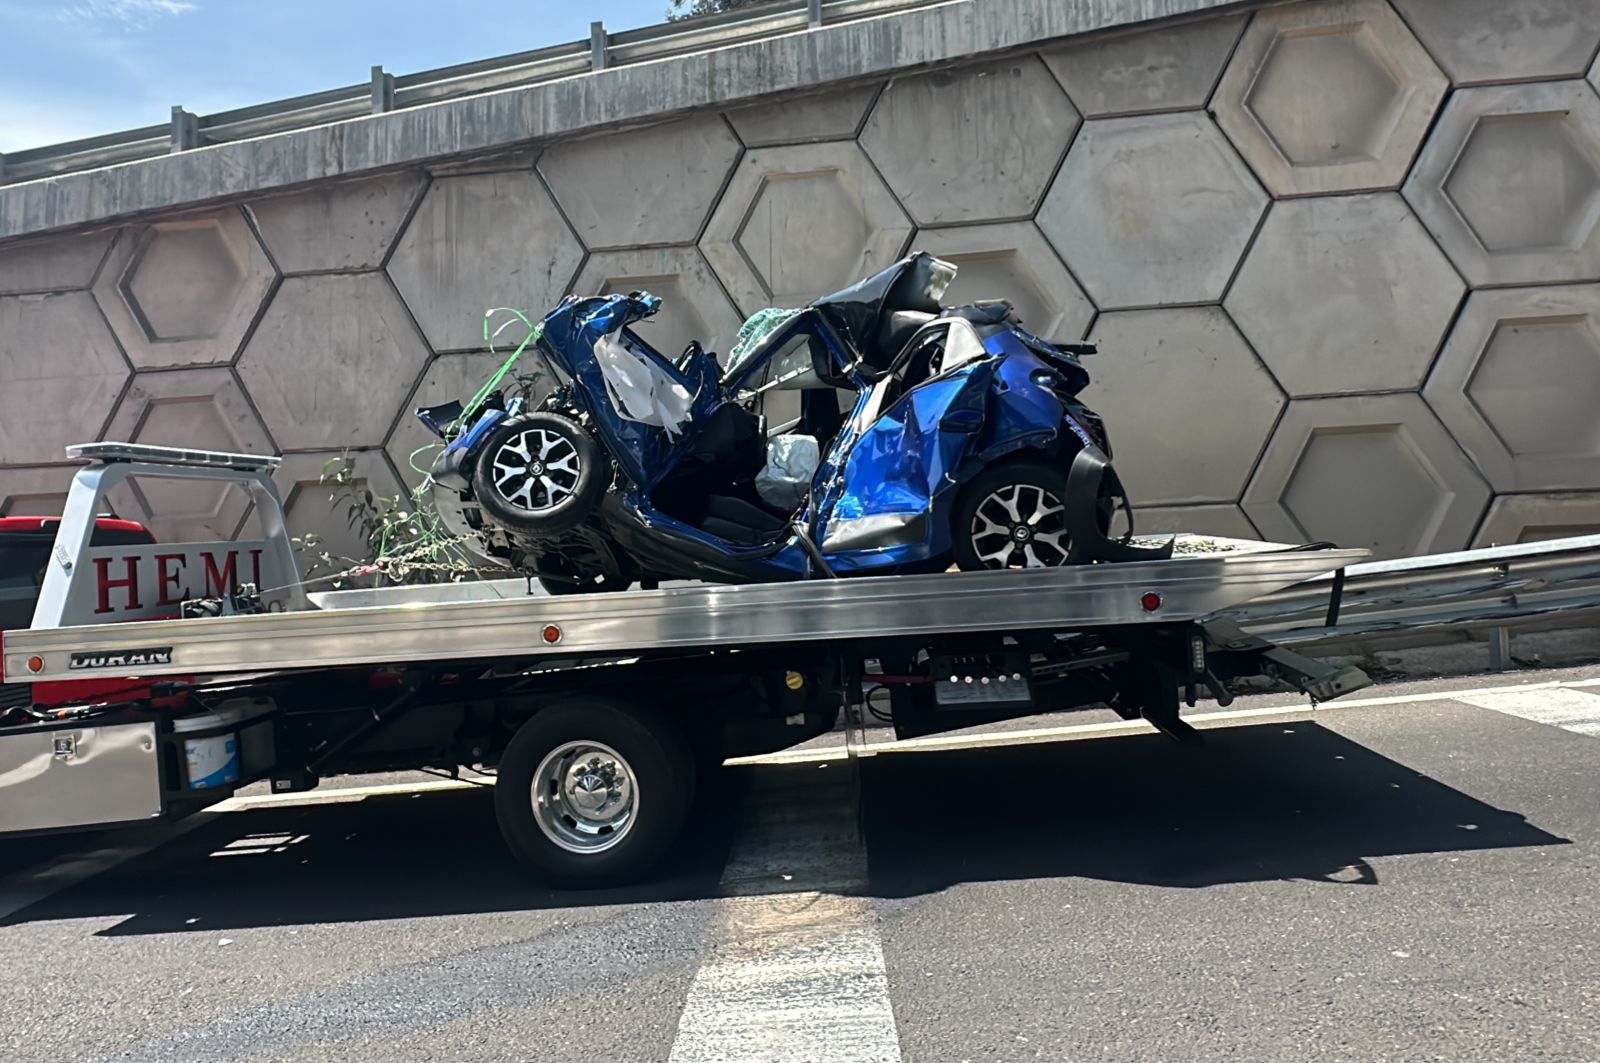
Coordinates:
[1150,600]
[36,664]
[552,634]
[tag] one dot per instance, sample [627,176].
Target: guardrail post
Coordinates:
[814,12]
[597,46]
[1499,649]
[185,130]
[382,91]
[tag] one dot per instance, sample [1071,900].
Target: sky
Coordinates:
[82,68]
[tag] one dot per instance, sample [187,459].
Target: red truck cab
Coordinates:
[25,544]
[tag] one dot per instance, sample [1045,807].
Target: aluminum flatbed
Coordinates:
[426,625]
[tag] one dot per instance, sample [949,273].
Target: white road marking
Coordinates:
[1571,710]
[799,974]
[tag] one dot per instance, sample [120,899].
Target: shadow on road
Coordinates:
[1273,801]
[384,856]
[1257,803]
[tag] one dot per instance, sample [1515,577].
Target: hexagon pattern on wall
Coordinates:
[766,240]
[1316,295]
[646,186]
[1014,262]
[307,504]
[1153,210]
[1153,207]
[1218,403]
[53,265]
[835,115]
[204,409]
[1516,519]
[1328,97]
[48,399]
[693,306]
[991,135]
[1173,68]
[480,242]
[1506,40]
[1518,385]
[344,226]
[183,292]
[34,492]
[1372,471]
[332,360]
[1509,183]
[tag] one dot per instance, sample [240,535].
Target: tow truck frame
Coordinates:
[597,710]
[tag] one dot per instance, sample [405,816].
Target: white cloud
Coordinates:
[134,14]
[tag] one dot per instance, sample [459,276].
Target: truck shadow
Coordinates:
[389,856]
[1257,803]
[1264,802]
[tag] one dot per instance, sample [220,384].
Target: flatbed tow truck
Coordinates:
[595,712]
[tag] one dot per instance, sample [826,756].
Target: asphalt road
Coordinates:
[1412,876]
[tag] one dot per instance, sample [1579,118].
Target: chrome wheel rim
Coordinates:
[1020,526]
[537,469]
[585,797]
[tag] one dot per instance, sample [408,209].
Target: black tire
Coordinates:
[579,582]
[661,765]
[978,548]
[558,588]
[539,513]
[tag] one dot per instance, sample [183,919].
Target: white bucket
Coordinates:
[213,760]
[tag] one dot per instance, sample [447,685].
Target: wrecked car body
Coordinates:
[873,432]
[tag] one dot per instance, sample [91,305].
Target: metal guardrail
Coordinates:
[387,92]
[1427,600]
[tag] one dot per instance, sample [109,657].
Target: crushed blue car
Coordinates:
[873,432]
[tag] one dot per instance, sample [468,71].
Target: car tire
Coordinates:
[1011,516]
[539,475]
[647,770]
[614,573]
[558,588]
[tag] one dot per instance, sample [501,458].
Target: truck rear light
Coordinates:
[551,634]
[1150,600]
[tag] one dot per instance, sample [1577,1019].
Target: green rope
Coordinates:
[432,539]
[482,396]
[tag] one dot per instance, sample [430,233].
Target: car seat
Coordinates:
[739,521]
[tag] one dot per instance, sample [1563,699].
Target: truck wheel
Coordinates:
[539,475]
[591,793]
[1011,516]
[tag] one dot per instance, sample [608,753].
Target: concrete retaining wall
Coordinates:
[1343,257]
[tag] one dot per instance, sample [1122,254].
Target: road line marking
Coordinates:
[1571,710]
[799,975]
